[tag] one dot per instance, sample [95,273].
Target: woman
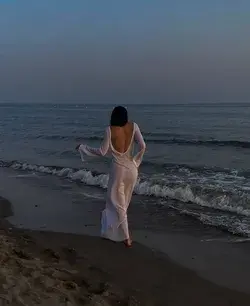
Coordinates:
[119,141]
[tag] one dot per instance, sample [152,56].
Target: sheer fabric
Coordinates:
[122,179]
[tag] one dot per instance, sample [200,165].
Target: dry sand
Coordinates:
[44,268]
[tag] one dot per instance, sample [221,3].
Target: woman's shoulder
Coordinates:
[131,123]
[135,124]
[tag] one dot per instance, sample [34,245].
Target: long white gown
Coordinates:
[122,179]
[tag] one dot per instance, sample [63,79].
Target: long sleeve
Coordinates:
[142,146]
[101,151]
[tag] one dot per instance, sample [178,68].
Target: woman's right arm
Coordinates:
[142,146]
[90,151]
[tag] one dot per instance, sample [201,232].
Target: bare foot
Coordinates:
[128,243]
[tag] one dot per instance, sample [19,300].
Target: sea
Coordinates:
[196,165]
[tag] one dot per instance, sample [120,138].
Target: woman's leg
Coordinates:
[130,181]
[114,217]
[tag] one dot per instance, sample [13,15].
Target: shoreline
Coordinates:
[103,272]
[173,277]
[59,206]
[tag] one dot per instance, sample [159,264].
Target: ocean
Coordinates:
[197,162]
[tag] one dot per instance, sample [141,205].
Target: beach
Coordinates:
[49,268]
[189,218]
[45,268]
[126,121]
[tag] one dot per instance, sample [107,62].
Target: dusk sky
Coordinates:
[139,51]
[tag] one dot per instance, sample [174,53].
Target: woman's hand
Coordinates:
[77,147]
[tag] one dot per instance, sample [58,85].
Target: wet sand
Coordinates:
[46,268]
[99,272]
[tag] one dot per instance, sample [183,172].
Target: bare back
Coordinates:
[121,137]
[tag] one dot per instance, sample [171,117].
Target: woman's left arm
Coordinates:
[90,151]
[142,146]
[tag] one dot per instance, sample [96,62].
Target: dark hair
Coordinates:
[119,116]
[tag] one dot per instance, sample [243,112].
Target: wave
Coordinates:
[224,210]
[173,168]
[146,186]
[225,223]
[156,138]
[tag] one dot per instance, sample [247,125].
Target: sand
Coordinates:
[46,268]
[33,275]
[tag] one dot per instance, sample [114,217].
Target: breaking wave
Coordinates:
[215,198]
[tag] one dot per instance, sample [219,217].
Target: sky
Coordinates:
[140,51]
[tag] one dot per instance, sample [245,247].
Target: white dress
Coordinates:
[122,179]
